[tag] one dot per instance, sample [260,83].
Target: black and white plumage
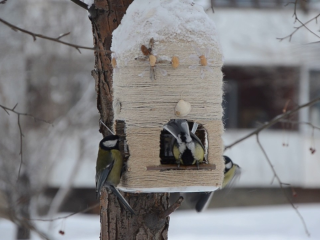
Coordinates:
[200,200]
[187,148]
[109,168]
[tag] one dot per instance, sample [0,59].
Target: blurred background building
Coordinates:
[263,76]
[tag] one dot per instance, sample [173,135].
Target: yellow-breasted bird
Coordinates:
[200,199]
[109,168]
[187,148]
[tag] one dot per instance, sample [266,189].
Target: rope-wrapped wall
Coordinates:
[146,105]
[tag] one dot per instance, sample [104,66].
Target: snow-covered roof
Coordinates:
[163,20]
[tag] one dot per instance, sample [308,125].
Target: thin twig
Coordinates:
[35,35]
[7,110]
[300,122]
[69,215]
[273,121]
[80,4]
[23,114]
[302,25]
[281,185]
[20,153]
[63,35]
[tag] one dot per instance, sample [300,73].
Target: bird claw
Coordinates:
[178,163]
[197,162]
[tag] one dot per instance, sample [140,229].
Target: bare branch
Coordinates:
[23,114]
[273,121]
[35,35]
[7,110]
[172,208]
[281,185]
[67,216]
[300,122]
[63,35]
[302,25]
[21,155]
[80,4]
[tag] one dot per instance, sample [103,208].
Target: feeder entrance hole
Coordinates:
[167,160]
[167,140]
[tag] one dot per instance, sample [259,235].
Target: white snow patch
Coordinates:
[167,20]
[250,223]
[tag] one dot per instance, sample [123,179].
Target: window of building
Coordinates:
[314,112]
[254,95]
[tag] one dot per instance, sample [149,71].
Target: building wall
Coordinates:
[248,38]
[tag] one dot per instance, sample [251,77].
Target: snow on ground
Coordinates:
[263,223]
[272,223]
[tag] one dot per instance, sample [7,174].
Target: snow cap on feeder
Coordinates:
[168,61]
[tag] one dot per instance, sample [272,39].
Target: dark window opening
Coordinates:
[255,95]
[314,110]
[167,141]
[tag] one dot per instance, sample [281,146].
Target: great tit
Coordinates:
[187,147]
[109,168]
[201,199]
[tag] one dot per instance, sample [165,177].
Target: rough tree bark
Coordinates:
[151,221]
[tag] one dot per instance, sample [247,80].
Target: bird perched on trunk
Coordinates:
[200,199]
[109,168]
[187,147]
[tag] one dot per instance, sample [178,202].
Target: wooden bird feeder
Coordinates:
[163,70]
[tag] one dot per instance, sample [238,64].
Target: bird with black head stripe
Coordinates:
[199,200]
[187,148]
[109,168]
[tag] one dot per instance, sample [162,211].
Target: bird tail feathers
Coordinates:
[122,199]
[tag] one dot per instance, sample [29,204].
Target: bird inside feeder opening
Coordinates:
[167,141]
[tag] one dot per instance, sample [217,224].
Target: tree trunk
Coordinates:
[151,221]
[23,231]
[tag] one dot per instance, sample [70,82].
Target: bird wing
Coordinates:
[176,127]
[196,139]
[194,127]
[232,176]
[102,177]
[197,200]
[203,201]
[122,199]
[172,128]
[183,126]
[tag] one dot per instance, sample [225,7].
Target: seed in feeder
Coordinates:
[182,108]
[175,62]
[114,63]
[203,60]
[145,50]
[152,60]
